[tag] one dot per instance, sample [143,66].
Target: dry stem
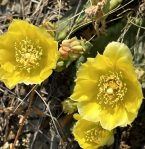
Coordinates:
[23,119]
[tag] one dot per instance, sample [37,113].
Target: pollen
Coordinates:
[111,89]
[28,54]
[94,135]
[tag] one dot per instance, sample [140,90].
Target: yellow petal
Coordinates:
[116,51]
[93,68]
[133,97]
[5,56]
[89,111]
[12,79]
[127,70]
[84,71]
[110,120]
[83,91]
[8,67]
[19,25]
[28,29]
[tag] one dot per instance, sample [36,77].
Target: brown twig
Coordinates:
[23,119]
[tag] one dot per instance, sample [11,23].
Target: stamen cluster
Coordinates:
[111,88]
[28,54]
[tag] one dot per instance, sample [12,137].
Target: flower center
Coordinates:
[111,89]
[94,135]
[28,54]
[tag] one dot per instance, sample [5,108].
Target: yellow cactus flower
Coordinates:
[107,89]
[27,54]
[91,135]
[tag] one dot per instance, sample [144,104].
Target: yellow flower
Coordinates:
[91,135]
[107,89]
[27,54]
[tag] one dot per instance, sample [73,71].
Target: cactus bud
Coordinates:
[77,48]
[75,43]
[69,106]
[71,49]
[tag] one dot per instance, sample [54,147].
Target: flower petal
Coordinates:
[83,91]
[16,26]
[5,56]
[134,97]
[109,120]
[89,111]
[116,51]
[12,79]
[93,68]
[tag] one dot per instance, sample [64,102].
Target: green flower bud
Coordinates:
[69,106]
